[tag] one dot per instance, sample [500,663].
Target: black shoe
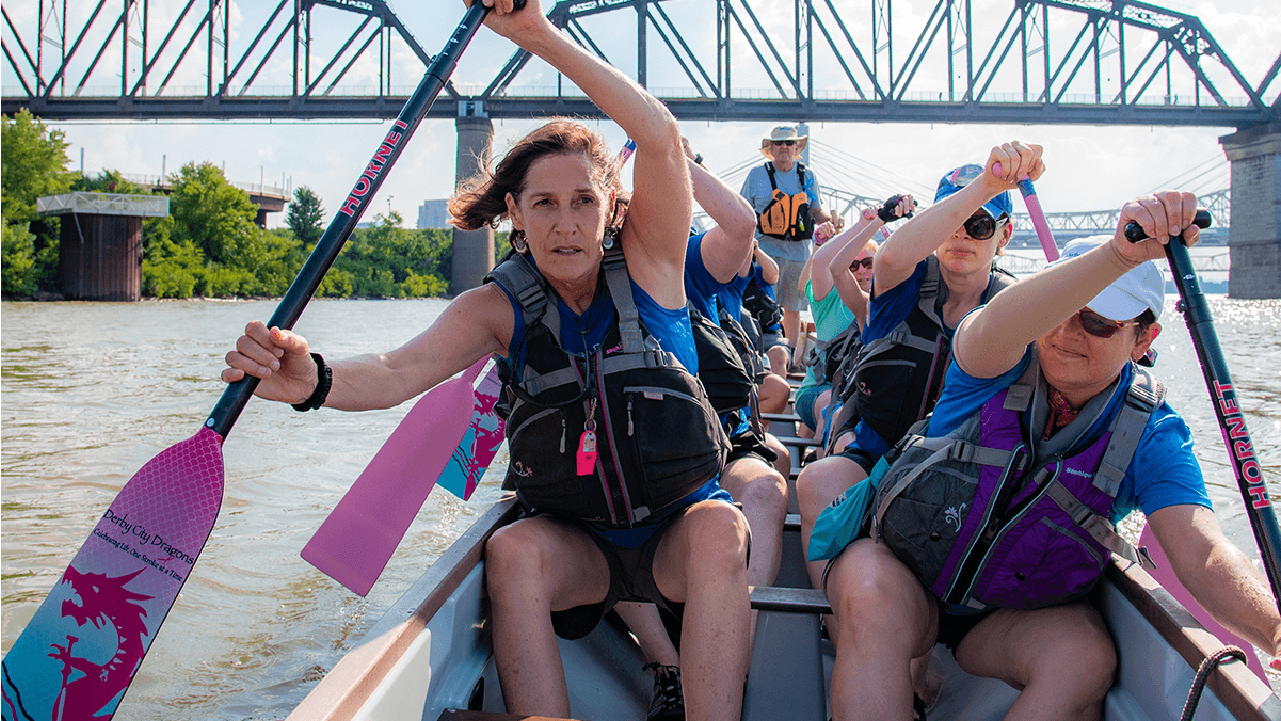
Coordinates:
[669,701]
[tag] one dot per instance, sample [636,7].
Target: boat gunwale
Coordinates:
[357,675]
[1243,693]
[352,682]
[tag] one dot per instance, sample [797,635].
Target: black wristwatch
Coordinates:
[698,159]
[325,374]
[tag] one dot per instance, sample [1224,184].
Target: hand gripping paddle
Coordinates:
[1033,203]
[78,655]
[1245,466]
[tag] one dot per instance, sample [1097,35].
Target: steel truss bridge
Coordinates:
[1046,61]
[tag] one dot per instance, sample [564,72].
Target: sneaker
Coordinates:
[669,702]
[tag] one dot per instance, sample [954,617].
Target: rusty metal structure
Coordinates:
[100,249]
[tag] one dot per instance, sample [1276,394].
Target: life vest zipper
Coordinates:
[994,524]
[600,467]
[618,501]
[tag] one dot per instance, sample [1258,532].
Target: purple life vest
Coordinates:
[983,521]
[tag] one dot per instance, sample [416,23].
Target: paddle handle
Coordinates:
[1245,464]
[1033,203]
[237,394]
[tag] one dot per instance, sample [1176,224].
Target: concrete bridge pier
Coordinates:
[1255,238]
[473,252]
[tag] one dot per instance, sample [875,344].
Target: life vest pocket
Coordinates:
[543,469]
[923,520]
[661,423]
[879,390]
[1013,577]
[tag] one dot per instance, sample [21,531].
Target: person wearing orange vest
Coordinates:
[786,197]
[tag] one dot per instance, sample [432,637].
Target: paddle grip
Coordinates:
[1227,409]
[237,394]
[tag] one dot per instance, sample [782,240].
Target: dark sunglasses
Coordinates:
[788,143]
[1098,326]
[980,226]
[865,262]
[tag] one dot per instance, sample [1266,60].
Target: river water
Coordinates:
[93,391]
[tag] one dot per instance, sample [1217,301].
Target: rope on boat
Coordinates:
[1203,674]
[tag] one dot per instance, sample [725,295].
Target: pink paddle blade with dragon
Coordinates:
[77,656]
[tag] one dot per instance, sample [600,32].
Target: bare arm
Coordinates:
[769,268]
[475,324]
[853,238]
[1218,574]
[922,235]
[727,245]
[992,339]
[656,231]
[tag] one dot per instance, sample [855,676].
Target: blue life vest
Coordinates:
[985,516]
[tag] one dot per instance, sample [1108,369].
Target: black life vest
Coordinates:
[826,356]
[657,437]
[898,377]
[786,217]
[728,383]
[766,310]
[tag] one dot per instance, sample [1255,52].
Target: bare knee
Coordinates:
[718,540]
[822,481]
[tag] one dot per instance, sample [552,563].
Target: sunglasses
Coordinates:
[788,143]
[865,262]
[1098,326]
[980,226]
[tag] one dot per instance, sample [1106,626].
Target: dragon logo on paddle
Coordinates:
[103,640]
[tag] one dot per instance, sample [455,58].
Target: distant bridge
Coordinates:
[1046,61]
[268,198]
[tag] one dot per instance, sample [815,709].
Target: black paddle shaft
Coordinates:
[1245,464]
[237,394]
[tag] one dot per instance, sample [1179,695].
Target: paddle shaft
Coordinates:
[237,394]
[1033,203]
[1245,465]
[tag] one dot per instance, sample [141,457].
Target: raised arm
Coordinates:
[856,235]
[992,339]
[729,243]
[1218,574]
[656,231]
[769,268]
[922,235]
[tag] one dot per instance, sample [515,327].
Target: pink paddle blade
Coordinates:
[78,655]
[479,444]
[1164,575]
[360,535]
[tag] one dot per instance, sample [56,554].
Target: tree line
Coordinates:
[209,246]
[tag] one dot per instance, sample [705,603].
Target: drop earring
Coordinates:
[611,237]
[518,241]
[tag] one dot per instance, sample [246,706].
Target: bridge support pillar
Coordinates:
[1255,237]
[473,252]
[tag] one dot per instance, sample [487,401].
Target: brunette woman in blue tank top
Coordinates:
[560,189]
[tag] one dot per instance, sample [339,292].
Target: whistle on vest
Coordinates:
[586,456]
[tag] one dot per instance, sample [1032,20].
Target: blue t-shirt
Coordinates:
[1164,471]
[581,335]
[703,292]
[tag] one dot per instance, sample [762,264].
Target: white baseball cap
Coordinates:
[1140,289]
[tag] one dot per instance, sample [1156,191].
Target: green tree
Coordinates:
[34,163]
[389,261]
[17,260]
[305,217]
[217,216]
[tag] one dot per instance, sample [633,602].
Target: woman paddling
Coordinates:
[999,515]
[600,377]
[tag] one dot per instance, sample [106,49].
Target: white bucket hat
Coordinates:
[782,132]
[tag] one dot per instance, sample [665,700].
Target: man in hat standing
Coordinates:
[785,195]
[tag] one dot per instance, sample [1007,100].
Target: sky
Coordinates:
[1088,168]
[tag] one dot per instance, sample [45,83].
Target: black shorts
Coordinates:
[865,460]
[953,627]
[631,578]
[749,445]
